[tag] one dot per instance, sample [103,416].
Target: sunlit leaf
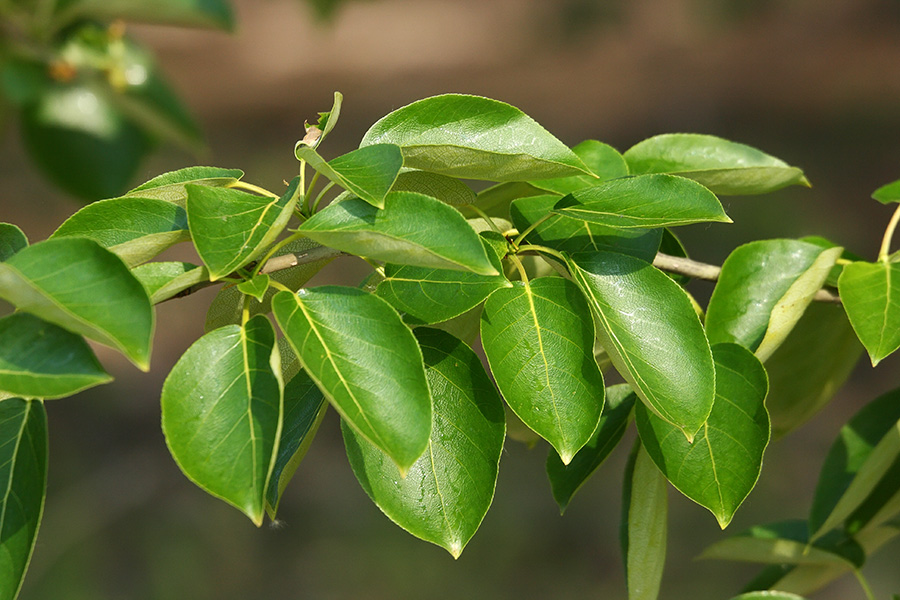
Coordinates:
[603,161]
[448,190]
[871,297]
[170,186]
[888,194]
[164,280]
[367,172]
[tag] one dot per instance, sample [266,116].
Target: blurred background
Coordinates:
[814,83]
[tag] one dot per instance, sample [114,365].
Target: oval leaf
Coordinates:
[76,284]
[412,229]
[474,138]
[722,166]
[12,239]
[447,491]
[644,526]
[164,280]
[222,413]
[366,361]
[648,327]
[170,186]
[871,297]
[368,172]
[721,466]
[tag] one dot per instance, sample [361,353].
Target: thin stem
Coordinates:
[265,259]
[888,235]
[521,268]
[864,584]
[530,228]
[686,266]
[487,219]
[312,185]
[321,195]
[245,312]
[542,250]
[286,261]
[254,188]
[280,286]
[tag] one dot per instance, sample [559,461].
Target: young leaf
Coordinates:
[448,190]
[643,201]
[185,13]
[255,287]
[412,229]
[222,413]
[603,161]
[41,360]
[448,490]
[538,337]
[367,172]
[76,284]
[327,120]
[763,290]
[871,297]
[648,327]
[164,280]
[170,186]
[12,239]
[888,194]
[722,166]
[365,361]
[472,137]
[644,525]
[721,466]
[230,227]
[565,480]
[575,237]
[23,487]
[136,229]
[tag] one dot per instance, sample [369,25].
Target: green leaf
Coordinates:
[222,413]
[448,190]
[882,503]
[872,301]
[186,13]
[365,361]
[23,487]
[316,134]
[448,490]
[565,480]
[41,360]
[888,194]
[602,160]
[76,284]
[474,138]
[575,237]
[643,532]
[722,166]
[810,366]
[643,201]
[412,229]
[538,337]
[858,459]
[230,227]
[648,327]
[170,186]
[722,465]
[255,287]
[367,172]
[495,200]
[136,229]
[768,595]
[164,280]
[12,239]
[763,290]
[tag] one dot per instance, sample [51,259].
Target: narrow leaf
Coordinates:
[448,490]
[448,190]
[222,413]
[171,186]
[367,172]
[164,280]
[871,297]
[365,361]
[645,515]
[12,239]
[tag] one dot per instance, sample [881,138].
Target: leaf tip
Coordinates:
[723,520]
[455,549]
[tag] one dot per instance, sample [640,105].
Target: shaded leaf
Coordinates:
[164,280]
[495,200]
[367,172]
[12,239]
[871,297]
[603,161]
[170,186]
[448,190]
[768,595]
[644,525]
[882,503]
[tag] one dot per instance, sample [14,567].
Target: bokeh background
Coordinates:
[815,83]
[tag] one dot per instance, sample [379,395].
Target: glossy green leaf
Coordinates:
[763,290]
[574,236]
[448,490]
[186,13]
[721,466]
[412,229]
[164,280]
[40,360]
[170,186]
[23,487]
[136,229]
[538,337]
[644,526]
[448,190]
[722,166]
[367,172]
[565,480]
[859,457]
[367,363]
[76,284]
[474,138]
[871,297]
[810,366]
[643,201]
[648,327]
[255,287]
[230,227]
[12,239]
[888,194]
[603,161]
[222,413]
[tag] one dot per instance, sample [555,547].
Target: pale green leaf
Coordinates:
[888,194]
[255,287]
[367,172]
[170,186]
[12,239]
[644,526]
[164,280]
[871,296]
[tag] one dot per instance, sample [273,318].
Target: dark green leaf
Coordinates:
[565,480]
[366,361]
[447,491]
[474,138]
[722,166]
[170,186]
[255,287]
[186,13]
[448,190]
[164,280]
[882,503]
[644,525]
[412,229]
[222,413]
[888,194]
[76,284]
[871,297]
[648,327]
[538,337]
[12,239]
[23,481]
[367,172]
[602,160]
